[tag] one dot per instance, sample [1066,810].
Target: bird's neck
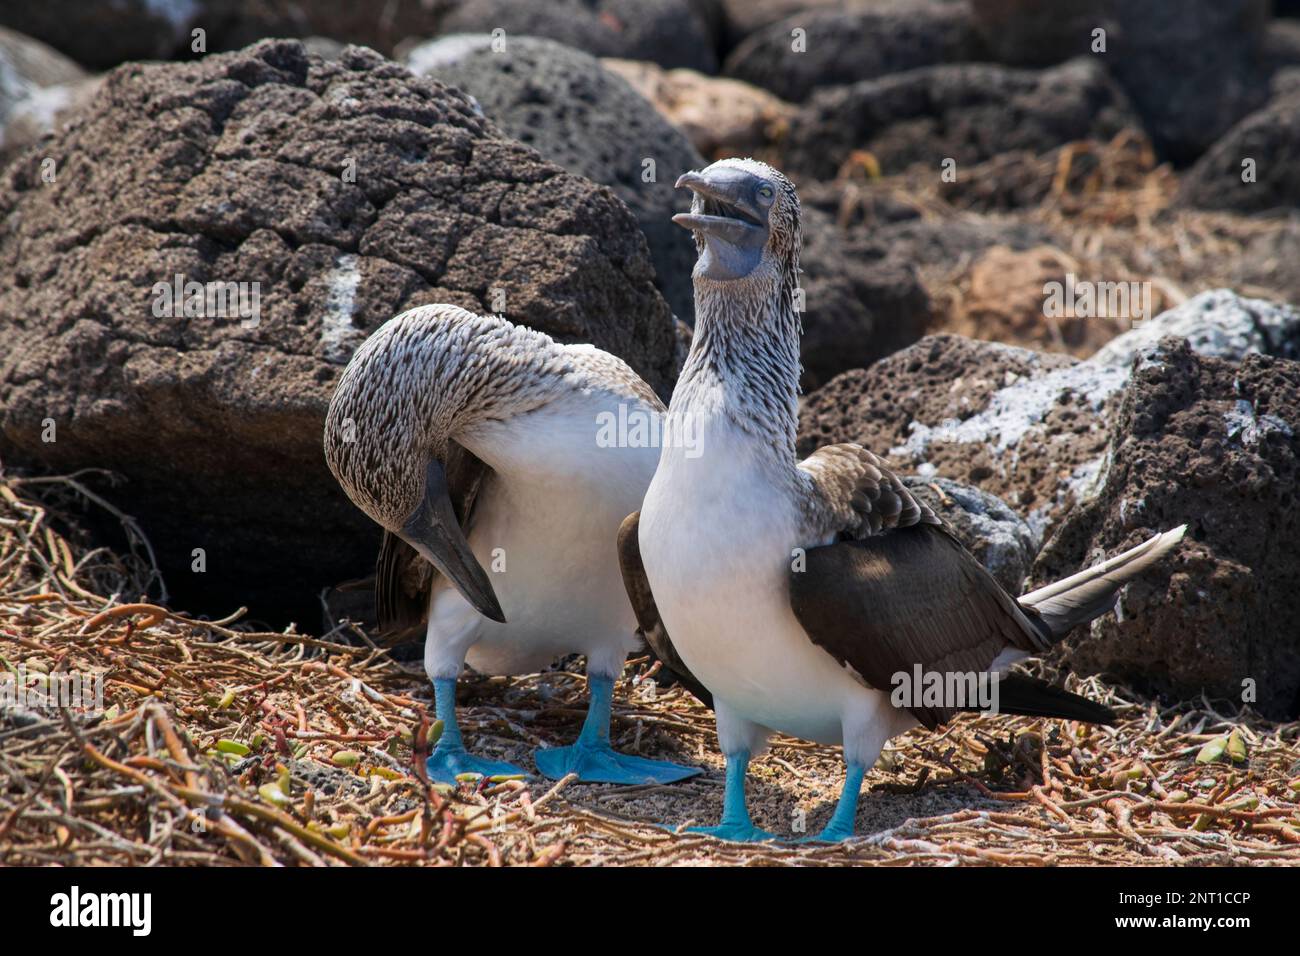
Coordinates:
[483,369]
[744,359]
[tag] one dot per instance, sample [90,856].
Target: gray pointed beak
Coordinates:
[722,191]
[435,533]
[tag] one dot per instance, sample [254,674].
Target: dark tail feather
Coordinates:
[1031,697]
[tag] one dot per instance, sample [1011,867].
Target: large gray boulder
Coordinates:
[567,106]
[1030,427]
[845,46]
[338,194]
[1252,168]
[671,33]
[37,83]
[965,112]
[1191,67]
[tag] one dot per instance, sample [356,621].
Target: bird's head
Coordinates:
[387,439]
[745,216]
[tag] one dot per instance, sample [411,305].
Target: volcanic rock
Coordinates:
[1215,445]
[845,46]
[966,113]
[310,201]
[581,116]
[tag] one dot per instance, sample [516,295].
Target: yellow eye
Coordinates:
[766,193]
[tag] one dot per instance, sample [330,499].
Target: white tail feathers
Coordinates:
[1091,592]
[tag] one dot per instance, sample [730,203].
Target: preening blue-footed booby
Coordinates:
[798,592]
[474,443]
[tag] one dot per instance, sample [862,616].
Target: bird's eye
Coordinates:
[766,193]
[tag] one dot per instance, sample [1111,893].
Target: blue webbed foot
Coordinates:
[445,764]
[744,832]
[840,826]
[450,759]
[736,825]
[833,833]
[599,763]
[594,760]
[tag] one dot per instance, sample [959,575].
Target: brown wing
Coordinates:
[857,495]
[649,625]
[883,604]
[403,579]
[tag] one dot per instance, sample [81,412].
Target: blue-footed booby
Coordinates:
[797,592]
[475,443]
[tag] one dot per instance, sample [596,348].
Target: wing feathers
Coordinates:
[854,494]
[883,604]
[649,624]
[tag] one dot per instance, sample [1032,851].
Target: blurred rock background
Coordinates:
[957,161]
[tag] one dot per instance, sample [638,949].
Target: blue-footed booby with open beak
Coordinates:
[796,592]
[474,443]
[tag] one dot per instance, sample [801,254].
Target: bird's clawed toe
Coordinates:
[744,832]
[833,833]
[450,764]
[600,763]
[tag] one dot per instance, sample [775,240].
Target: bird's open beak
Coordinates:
[435,532]
[723,210]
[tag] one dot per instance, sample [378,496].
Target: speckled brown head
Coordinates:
[747,224]
[745,216]
[409,390]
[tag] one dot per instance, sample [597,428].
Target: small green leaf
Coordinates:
[273,795]
[1213,750]
[1237,746]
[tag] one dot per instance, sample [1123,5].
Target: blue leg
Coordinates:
[736,824]
[840,826]
[594,760]
[449,758]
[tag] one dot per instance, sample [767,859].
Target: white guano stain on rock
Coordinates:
[339,338]
[1014,410]
[1218,323]
[1246,429]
